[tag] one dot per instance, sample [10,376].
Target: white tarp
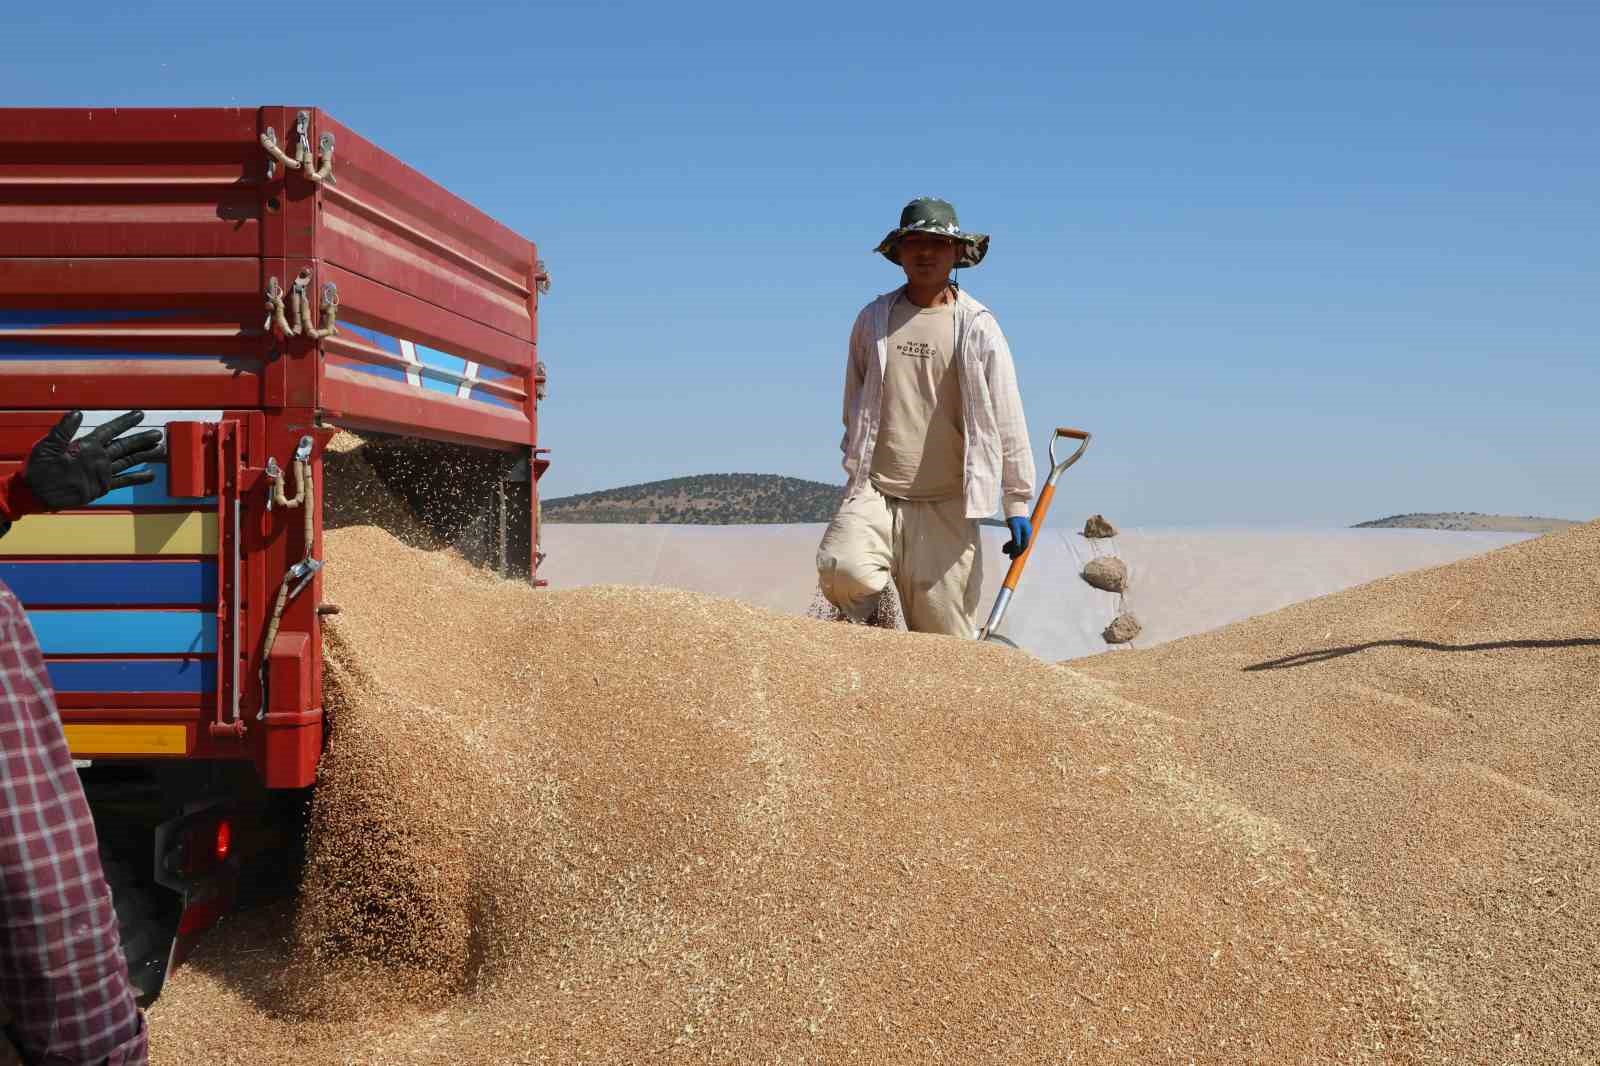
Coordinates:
[1180,580]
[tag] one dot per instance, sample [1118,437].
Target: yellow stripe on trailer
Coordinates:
[128,739]
[118,533]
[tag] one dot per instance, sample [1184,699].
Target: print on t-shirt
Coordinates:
[921,449]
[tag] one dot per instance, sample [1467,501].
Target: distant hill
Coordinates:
[705,499]
[1469,521]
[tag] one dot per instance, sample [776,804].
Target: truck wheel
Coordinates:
[146,922]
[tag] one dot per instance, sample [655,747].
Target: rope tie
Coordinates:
[298,576]
[302,158]
[276,322]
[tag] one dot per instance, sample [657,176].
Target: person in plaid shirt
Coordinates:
[63,978]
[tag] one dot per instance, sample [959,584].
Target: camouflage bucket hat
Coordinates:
[929,215]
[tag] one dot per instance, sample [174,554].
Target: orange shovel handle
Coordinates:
[1040,509]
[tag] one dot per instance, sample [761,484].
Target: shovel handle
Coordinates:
[1040,509]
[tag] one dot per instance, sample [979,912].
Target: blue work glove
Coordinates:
[1021,534]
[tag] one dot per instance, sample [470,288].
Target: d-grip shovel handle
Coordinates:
[1041,508]
[1058,467]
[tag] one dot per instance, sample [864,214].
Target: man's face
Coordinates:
[928,258]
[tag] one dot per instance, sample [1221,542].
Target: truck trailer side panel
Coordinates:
[254,279]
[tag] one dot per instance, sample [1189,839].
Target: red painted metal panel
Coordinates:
[187,469]
[130,383]
[144,181]
[357,245]
[66,131]
[361,401]
[400,314]
[73,219]
[289,673]
[231,285]
[275,193]
[386,221]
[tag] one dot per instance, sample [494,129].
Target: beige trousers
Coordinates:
[929,549]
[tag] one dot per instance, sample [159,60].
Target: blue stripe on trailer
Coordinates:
[393,373]
[80,632]
[153,494]
[140,584]
[372,337]
[433,370]
[377,340]
[133,675]
[479,396]
[432,360]
[489,373]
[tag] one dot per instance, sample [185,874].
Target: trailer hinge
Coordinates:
[541,276]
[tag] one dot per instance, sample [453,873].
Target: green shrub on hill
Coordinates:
[704,499]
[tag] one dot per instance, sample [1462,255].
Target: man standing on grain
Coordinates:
[934,438]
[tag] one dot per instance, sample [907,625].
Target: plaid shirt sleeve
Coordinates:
[62,974]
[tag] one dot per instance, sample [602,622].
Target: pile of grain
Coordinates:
[630,825]
[1434,738]
[627,825]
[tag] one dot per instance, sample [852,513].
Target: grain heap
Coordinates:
[628,825]
[638,825]
[1432,738]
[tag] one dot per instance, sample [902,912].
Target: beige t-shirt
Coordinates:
[921,449]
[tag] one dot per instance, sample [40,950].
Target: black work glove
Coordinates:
[65,473]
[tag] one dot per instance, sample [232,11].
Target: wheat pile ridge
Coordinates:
[624,825]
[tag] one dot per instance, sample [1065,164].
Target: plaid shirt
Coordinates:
[999,463]
[62,974]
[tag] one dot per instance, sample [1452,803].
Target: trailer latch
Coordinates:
[302,573]
[302,158]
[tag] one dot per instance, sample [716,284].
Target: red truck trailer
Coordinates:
[253,279]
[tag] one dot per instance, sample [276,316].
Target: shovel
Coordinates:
[1040,509]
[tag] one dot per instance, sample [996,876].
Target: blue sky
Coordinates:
[1289,262]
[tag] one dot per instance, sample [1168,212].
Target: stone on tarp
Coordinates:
[1108,574]
[1098,528]
[1122,629]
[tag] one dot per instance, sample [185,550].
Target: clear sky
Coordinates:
[1289,262]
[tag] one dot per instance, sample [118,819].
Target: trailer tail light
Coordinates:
[222,842]
[204,847]
[193,851]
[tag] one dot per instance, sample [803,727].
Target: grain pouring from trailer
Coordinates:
[254,280]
